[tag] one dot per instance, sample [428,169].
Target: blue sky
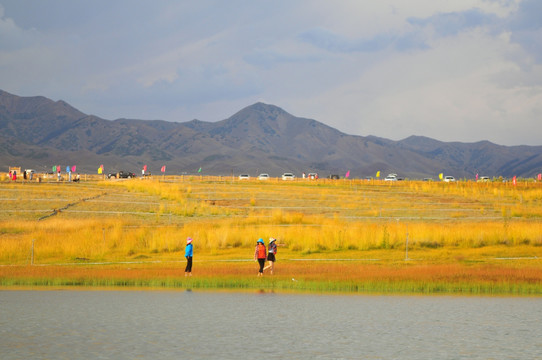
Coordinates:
[462,70]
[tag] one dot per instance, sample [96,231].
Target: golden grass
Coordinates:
[149,220]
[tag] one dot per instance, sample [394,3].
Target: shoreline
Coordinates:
[347,278]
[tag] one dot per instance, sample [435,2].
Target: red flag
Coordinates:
[347,174]
[163,168]
[144,167]
[476,177]
[539,177]
[74,168]
[514,181]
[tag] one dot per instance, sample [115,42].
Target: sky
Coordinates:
[461,70]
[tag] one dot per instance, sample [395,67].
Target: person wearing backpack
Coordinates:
[188,254]
[260,255]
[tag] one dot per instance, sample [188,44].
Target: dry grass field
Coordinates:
[340,235]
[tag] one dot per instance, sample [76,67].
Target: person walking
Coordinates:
[188,254]
[271,255]
[260,255]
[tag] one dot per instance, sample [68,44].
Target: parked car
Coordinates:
[312,176]
[122,175]
[334,177]
[244,177]
[449,179]
[391,177]
[484,179]
[263,177]
[288,176]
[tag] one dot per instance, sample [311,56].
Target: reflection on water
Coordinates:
[203,325]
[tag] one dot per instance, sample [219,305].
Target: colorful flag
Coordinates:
[58,168]
[144,167]
[74,168]
[539,177]
[68,169]
[163,168]
[514,181]
[347,174]
[441,176]
[476,177]
[100,170]
[54,168]
[378,174]
[199,170]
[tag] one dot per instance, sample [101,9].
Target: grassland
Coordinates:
[342,235]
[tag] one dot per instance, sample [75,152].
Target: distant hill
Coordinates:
[38,133]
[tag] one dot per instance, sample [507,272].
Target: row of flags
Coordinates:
[162,169]
[69,169]
[441,176]
[73,168]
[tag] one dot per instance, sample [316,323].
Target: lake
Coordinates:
[95,324]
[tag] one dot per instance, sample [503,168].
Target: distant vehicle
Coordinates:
[244,177]
[288,176]
[449,179]
[122,175]
[312,176]
[368,178]
[484,179]
[334,177]
[391,177]
[263,177]
[427,179]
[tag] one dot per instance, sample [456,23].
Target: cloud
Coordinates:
[525,27]
[450,24]
[13,37]
[329,41]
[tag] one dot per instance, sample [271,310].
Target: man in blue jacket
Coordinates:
[188,253]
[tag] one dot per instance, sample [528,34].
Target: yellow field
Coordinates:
[326,227]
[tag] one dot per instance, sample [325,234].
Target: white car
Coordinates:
[449,179]
[390,177]
[288,176]
[244,177]
[263,177]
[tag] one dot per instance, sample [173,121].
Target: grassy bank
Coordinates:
[497,277]
[336,236]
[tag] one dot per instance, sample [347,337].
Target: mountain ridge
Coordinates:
[38,132]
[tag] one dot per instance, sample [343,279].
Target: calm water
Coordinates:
[204,325]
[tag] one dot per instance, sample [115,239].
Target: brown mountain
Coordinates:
[37,132]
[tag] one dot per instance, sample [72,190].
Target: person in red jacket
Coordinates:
[260,255]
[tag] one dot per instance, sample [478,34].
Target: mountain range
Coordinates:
[37,132]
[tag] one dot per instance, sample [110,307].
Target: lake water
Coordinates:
[68,324]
